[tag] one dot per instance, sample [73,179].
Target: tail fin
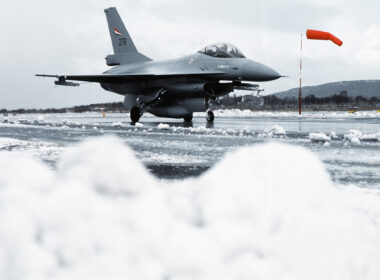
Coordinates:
[124,49]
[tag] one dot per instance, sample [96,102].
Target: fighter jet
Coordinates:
[174,88]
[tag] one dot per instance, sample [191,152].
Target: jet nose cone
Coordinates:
[257,72]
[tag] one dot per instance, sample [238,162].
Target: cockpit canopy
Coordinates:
[222,50]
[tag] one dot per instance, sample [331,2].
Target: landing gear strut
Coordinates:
[188,118]
[135,114]
[210,116]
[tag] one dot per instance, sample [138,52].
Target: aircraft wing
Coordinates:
[122,78]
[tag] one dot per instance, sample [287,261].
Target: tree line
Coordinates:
[339,100]
[107,107]
[335,101]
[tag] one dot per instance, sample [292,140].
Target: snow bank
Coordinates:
[263,212]
[286,114]
[277,130]
[355,136]
[319,137]
[333,135]
[117,124]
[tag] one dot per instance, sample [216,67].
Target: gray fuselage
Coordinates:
[178,88]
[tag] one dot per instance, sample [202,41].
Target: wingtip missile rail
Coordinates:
[61,80]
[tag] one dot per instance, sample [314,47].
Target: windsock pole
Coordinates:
[300,90]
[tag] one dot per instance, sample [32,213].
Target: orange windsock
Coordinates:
[321,35]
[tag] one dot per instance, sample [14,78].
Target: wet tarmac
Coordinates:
[172,149]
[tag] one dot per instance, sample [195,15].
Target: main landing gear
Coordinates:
[135,114]
[188,118]
[210,116]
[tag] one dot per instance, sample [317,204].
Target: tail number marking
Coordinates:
[122,42]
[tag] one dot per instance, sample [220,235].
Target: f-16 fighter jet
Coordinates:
[174,88]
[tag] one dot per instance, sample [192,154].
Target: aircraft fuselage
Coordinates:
[234,70]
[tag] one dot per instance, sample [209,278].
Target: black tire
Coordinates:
[210,116]
[188,118]
[135,114]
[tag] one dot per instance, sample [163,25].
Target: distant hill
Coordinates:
[365,88]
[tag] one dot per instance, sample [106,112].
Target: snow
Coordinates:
[333,135]
[355,140]
[319,137]
[11,142]
[289,114]
[263,212]
[355,136]
[277,130]
[163,126]
[117,124]
[43,150]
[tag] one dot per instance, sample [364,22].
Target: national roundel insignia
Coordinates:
[117,32]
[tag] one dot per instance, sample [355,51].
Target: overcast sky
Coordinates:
[71,37]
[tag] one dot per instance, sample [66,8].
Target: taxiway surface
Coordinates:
[172,149]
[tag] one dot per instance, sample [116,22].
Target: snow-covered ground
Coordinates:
[279,197]
[78,118]
[348,144]
[264,212]
[44,150]
[287,114]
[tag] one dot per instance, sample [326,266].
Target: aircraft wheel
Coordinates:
[210,116]
[135,114]
[188,118]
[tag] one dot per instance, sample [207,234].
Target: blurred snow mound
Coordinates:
[105,164]
[263,212]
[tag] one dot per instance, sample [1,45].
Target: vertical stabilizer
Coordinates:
[121,41]
[124,49]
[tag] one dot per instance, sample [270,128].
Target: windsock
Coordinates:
[321,35]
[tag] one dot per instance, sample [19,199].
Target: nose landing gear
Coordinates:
[209,113]
[210,116]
